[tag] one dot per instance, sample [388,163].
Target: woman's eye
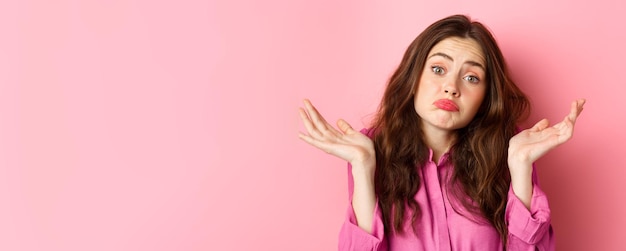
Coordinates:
[437,70]
[472,79]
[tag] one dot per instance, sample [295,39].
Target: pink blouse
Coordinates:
[446,226]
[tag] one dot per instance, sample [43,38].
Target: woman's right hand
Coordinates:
[352,146]
[345,143]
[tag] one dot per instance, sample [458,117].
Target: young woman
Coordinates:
[443,166]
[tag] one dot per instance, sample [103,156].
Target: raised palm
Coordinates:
[531,144]
[344,142]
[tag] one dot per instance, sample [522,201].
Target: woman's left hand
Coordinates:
[531,144]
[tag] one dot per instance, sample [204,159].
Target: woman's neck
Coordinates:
[440,142]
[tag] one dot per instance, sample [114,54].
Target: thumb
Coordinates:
[542,124]
[344,126]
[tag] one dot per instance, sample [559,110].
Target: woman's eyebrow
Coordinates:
[448,57]
[474,63]
[441,54]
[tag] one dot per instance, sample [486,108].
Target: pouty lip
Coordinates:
[446,104]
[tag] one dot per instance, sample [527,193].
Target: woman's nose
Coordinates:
[450,88]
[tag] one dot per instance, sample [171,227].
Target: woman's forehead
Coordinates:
[459,49]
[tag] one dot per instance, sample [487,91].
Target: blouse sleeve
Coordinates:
[352,237]
[529,229]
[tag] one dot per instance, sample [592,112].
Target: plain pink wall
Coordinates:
[172,125]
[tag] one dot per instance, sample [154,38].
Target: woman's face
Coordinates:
[452,86]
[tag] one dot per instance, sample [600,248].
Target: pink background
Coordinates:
[171,125]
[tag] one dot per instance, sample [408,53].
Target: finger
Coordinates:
[344,126]
[315,115]
[569,120]
[581,102]
[567,125]
[306,138]
[312,111]
[318,120]
[322,145]
[310,127]
[575,109]
[310,140]
[565,130]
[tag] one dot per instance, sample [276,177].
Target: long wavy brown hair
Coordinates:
[479,154]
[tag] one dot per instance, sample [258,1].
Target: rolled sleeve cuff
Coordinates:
[352,237]
[531,225]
